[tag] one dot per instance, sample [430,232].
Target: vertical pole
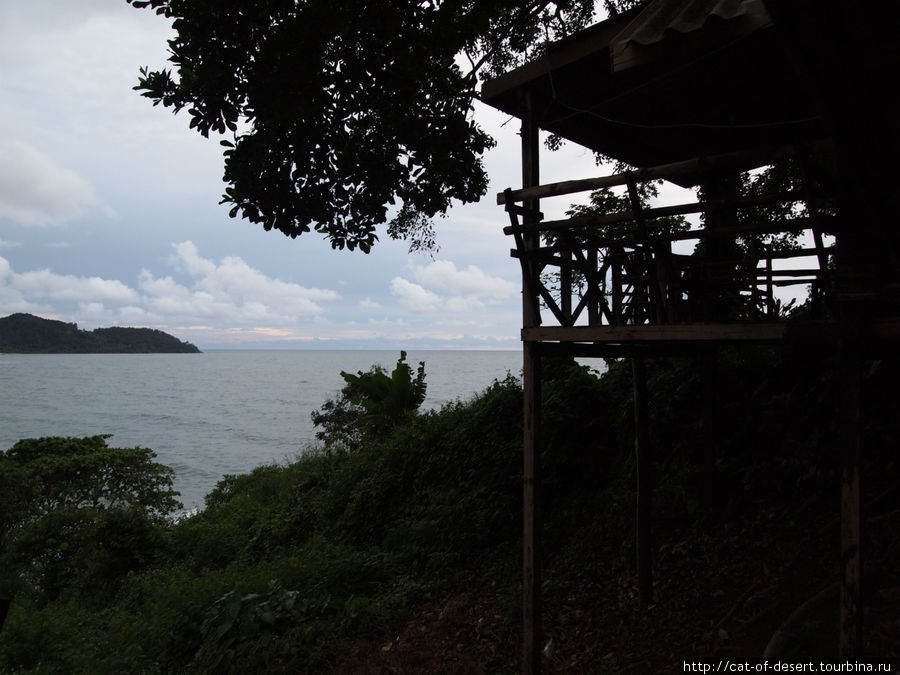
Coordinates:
[616,276]
[531,577]
[594,313]
[821,290]
[642,456]
[565,287]
[851,558]
[709,374]
[531,572]
[754,277]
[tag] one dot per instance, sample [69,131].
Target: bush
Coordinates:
[371,405]
[79,515]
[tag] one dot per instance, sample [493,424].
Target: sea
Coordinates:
[211,414]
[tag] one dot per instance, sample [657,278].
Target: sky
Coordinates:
[109,214]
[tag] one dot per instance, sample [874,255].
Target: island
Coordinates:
[29,334]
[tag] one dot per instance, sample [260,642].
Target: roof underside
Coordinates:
[675,80]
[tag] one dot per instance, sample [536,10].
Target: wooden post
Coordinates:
[655,294]
[616,269]
[709,374]
[531,577]
[851,558]
[754,277]
[594,313]
[821,290]
[531,571]
[643,537]
[565,287]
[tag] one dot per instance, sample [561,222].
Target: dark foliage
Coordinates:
[290,566]
[350,114]
[78,514]
[371,404]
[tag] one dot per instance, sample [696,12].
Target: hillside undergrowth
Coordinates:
[402,547]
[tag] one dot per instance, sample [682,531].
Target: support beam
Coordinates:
[851,535]
[531,571]
[709,374]
[643,528]
[531,577]
[731,161]
[881,336]
[737,332]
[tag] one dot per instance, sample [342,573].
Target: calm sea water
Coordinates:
[211,414]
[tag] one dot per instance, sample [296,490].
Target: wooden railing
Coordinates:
[621,269]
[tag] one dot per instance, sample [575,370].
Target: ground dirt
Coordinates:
[721,592]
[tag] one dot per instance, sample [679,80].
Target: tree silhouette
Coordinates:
[348,114]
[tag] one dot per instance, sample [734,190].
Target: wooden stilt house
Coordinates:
[695,92]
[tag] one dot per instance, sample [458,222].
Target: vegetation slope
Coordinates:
[393,546]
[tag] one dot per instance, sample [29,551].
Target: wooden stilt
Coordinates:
[531,572]
[642,454]
[851,559]
[710,431]
[531,587]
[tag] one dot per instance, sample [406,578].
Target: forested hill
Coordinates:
[26,333]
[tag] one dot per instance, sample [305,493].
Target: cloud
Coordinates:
[470,282]
[45,284]
[41,291]
[11,300]
[229,293]
[413,296]
[444,288]
[34,191]
[233,281]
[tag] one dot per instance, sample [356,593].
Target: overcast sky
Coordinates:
[109,214]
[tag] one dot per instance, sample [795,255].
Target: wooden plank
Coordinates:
[880,333]
[514,209]
[749,332]
[773,227]
[577,222]
[765,273]
[617,351]
[611,218]
[794,282]
[805,253]
[664,171]
[563,319]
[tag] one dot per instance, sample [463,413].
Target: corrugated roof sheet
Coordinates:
[664,18]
